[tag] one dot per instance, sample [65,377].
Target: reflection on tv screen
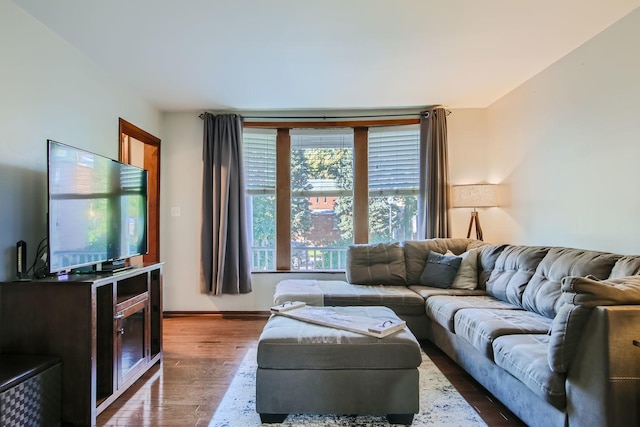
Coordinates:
[97,208]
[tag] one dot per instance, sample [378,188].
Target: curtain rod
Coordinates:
[331,117]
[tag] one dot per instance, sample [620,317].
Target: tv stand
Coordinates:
[106,329]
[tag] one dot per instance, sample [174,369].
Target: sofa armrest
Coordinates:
[603,382]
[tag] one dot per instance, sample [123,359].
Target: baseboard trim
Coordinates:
[218,314]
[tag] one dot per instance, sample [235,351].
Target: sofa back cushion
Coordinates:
[542,294]
[626,266]
[376,264]
[513,270]
[487,257]
[416,253]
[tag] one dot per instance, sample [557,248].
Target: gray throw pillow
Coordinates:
[440,270]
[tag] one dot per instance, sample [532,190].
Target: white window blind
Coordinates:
[259,149]
[394,160]
[321,138]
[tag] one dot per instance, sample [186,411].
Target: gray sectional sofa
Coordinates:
[552,332]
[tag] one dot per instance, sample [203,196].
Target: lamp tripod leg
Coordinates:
[475,219]
[478,227]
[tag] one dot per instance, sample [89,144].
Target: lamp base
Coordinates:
[475,219]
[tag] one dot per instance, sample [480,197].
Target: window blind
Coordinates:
[394,164]
[259,150]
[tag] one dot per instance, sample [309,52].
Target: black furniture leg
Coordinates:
[272,418]
[406,419]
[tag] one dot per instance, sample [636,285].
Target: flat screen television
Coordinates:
[97,209]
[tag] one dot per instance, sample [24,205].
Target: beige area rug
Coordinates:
[440,404]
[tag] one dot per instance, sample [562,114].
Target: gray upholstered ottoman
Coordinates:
[310,369]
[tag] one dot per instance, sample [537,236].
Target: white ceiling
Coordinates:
[325,54]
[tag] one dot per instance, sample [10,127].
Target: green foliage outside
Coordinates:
[390,217]
[300,212]
[264,221]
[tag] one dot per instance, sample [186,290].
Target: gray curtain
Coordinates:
[433,200]
[226,265]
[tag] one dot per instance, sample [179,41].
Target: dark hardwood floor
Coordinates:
[201,356]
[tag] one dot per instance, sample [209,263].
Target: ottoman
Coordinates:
[310,369]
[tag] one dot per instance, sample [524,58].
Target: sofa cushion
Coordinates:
[440,270]
[400,299]
[513,270]
[308,291]
[626,266]
[417,251]
[480,326]
[427,292]
[542,294]
[564,336]
[442,309]
[487,257]
[525,357]
[376,264]
[340,293]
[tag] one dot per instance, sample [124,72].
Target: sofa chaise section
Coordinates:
[408,305]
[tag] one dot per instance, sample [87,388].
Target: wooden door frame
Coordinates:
[126,128]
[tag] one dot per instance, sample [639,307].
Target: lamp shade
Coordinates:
[474,196]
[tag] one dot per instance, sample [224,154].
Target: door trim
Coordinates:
[131,130]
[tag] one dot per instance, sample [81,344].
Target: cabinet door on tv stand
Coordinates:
[132,341]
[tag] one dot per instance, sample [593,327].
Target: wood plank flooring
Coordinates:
[201,356]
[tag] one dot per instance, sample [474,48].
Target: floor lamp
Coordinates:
[474,196]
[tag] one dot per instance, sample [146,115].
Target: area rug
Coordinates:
[440,403]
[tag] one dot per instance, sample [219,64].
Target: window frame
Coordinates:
[360,178]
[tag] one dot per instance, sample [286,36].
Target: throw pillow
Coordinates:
[467,277]
[440,270]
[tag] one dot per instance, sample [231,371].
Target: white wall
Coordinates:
[49,90]
[568,144]
[469,162]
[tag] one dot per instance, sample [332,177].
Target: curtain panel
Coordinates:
[433,198]
[226,262]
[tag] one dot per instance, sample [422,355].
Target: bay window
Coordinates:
[312,192]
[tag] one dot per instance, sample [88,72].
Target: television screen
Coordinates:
[97,208]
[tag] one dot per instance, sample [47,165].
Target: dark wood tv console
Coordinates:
[106,330]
